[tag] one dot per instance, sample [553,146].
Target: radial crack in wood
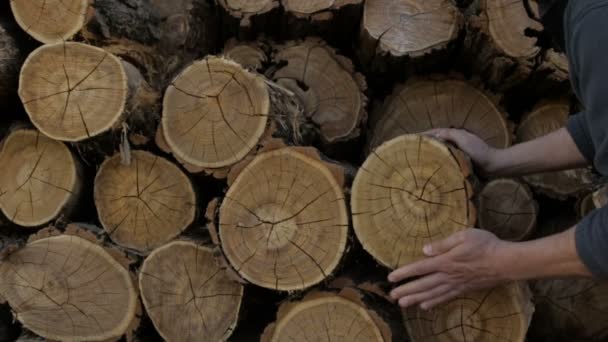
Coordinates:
[40,178]
[507,209]
[422,104]
[187,296]
[144,204]
[214,113]
[68,288]
[410,191]
[327,316]
[327,85]
[73,91]
[409,27]
[50,21]
[570,310]
[283,222]
[545,118]
[499,314]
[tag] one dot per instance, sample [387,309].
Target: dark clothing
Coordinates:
[586,45]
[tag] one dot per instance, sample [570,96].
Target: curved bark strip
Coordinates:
[331,316]
[497,44]
[545,118]
[187,296]
[327,85]
[507,209]
[40,181]
[144,204]
[65,287]
[73,91]
[283,223]
[410,191]
[499,314]
[422,104]
[570,310]
[408,28]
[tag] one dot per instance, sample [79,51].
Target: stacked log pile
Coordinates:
[211,170]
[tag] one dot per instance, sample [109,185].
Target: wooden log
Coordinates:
[548,116]
[410,191]
[66,286]
[42,179]
[507,208]
[329,89]
[570,310]
[407,29]
[213,123]
[499,314]
[10,62]
[333,316]
[283,223]
[499,46]
[425,103]
[187,296]
[245,10]
[250,55]
[143,202]
[335,21]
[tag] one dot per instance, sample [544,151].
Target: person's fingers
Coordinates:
[445,297]
[445,245]
[421,297]
[417,268]
[419,285]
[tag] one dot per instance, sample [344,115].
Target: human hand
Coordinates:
[465,261]
[482,154]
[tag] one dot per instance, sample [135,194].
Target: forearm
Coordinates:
[552,152]
[553,256]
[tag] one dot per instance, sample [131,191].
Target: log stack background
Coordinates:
[205,170]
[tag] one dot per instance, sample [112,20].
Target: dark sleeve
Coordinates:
[592,242]
[579,131]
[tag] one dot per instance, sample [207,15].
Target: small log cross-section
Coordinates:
[73,91]
[214,114]
[187,296]
[327,85]
[283,222]
[311,8]
[410,191]
[144,204]
[507,209]
[40,178]
[66,288]
[422,104]
[50,21]
[570,310]
[497,44]
[246,9]
[545,118]
[408,28]
[499,314]
[327,316]
[250,55]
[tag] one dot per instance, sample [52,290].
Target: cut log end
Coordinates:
[545,118]
[327,316]
[187,296]
[215,113]
[144,204]
[40,178]
[410,27]
[68,288]
[508,209]
[329,89]
[502,313]
[314,7]
[50,22]
[410,191]
[283,222]
[73,91]
[423,104]
[245,9]
[249,55]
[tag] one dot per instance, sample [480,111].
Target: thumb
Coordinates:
[443,246]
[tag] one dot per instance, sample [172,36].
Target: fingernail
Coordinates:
[391,278]
[427,250]
[403,303]
[424,307]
